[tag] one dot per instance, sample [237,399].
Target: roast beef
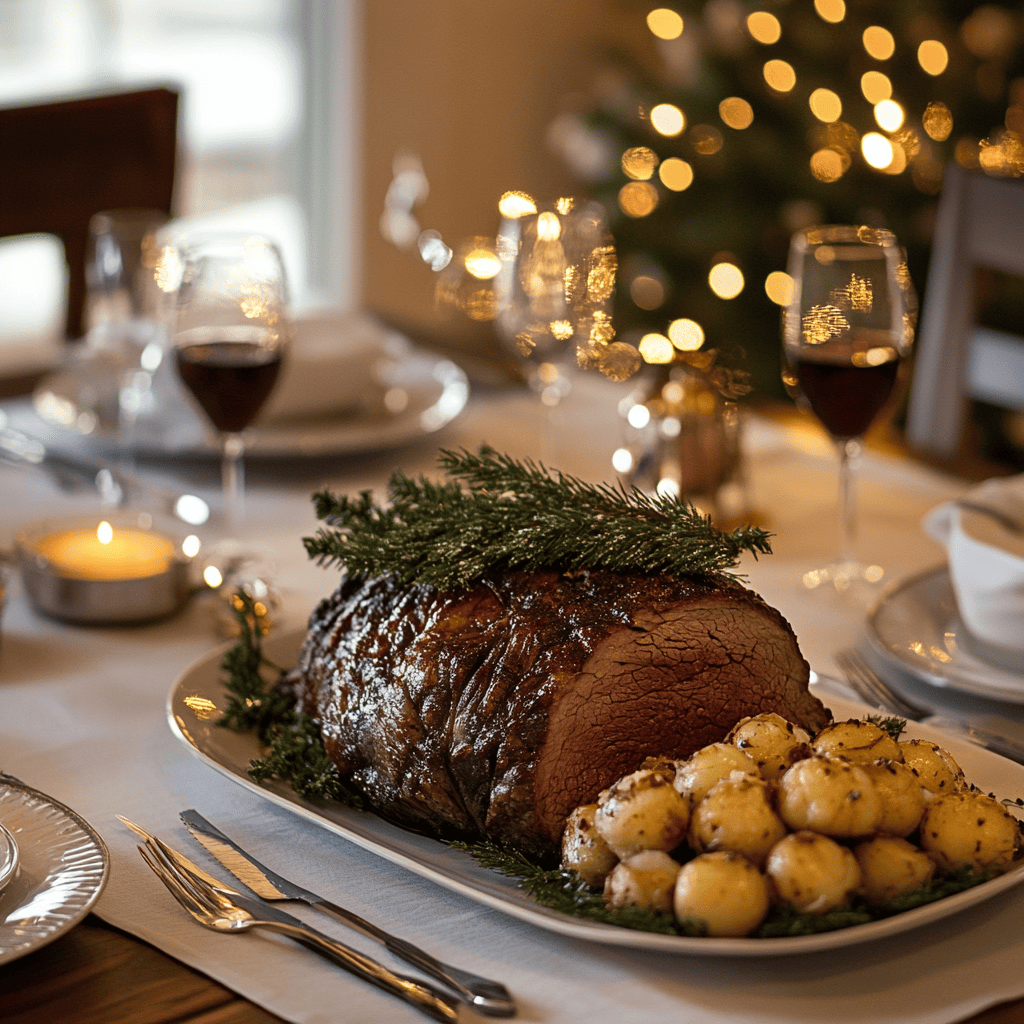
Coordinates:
[491,713]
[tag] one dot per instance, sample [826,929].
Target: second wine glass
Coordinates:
[847,328]
[230,329]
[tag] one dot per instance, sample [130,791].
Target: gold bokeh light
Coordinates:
[825,105]
[516,204]
[736,112]
[639,163]
[832,11]
[778,286]
[821,323]
[638,198]
[878,42]
[686,335]
[665,23]
[675,174]
[875,87]
[877,150]
[889,115]
[706,139]
[656,349]
[726,280]
[779,75]
[938,121]
[829,164]
[668,119]
[933,57]
[763,27]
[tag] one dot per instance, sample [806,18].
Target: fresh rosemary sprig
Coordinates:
[495,512]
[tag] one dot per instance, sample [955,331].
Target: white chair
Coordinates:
[980,223]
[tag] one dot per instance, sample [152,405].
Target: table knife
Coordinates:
[485,996]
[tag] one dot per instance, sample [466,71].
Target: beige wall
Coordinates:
[469,86]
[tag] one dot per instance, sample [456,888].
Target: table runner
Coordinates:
[82,717]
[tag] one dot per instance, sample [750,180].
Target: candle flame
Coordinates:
[104,532]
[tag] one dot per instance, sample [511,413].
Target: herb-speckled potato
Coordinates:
[736,814]
[831,796]
[969,830]
[937,769]
[584,849]
[861,742]
[723,893]
[646,880]
[698,773]
[771,741]
[812,873]
[903,796]
[642,811]
[891,867]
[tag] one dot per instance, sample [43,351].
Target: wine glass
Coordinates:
[553,291]
[230,328]
[847,328]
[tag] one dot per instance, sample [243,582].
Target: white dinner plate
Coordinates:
[194,708]
[916,626]
[62,869]
[9,856]
[415,394]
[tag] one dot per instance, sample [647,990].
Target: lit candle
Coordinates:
[106,553]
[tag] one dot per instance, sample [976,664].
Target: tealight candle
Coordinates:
[126,553]
[111,570]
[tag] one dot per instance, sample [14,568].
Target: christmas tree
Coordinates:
[744,122]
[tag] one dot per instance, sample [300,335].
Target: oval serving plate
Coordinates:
[63,869]
[193,709]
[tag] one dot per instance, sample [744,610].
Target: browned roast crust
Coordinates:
[492,713]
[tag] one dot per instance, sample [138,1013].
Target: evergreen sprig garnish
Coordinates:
[495,512]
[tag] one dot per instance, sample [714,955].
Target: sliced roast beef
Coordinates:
[492,713]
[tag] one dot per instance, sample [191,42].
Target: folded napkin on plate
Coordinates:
[986,559]
[329,368]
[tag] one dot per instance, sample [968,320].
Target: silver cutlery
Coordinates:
[870,687]
[220,908]
[485,996]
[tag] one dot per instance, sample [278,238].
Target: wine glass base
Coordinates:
[849,579]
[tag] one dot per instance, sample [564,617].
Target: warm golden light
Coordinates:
[604,265]
[516,204]
[482,262]
[665,24]
[104,532]
[549,227]
[736,112]
[778,286]
[933,57]
[675,174]
[875,86]
[889,115]
[826,105]
[879,42]
[646,291]
[638,198]
[829,165]
[726,280]
[668,119]
[639,163]
[830,10]
[877,150]
[779,75]
[212,577]
[821,323]
[656,349]
[560,329]
[764,27]
[686,335]
[938,121]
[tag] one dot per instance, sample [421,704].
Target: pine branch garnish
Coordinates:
[495,512]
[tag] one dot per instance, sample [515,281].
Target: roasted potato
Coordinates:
[938,771]
[903,796]
[857,741]
[828,795]
[812,873]
[736,814]
[646,880]
[642,811]
[969,829]
[584,849]
[891,867]
[771,741]
[699,772]
[721,892]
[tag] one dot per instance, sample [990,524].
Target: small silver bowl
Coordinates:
[67,585]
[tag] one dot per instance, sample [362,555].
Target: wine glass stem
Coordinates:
[233,481]
[848,448]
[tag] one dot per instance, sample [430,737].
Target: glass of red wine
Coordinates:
[231,327]
[847,329]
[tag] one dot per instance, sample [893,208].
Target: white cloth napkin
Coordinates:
[986,560]
[329,368]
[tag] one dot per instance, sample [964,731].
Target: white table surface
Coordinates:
[82,718]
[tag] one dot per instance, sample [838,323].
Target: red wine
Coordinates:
[231,379]
[845,397]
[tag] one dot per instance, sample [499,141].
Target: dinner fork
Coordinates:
[237,914]
[871,687]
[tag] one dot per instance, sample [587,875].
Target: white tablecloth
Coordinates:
[82,718]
